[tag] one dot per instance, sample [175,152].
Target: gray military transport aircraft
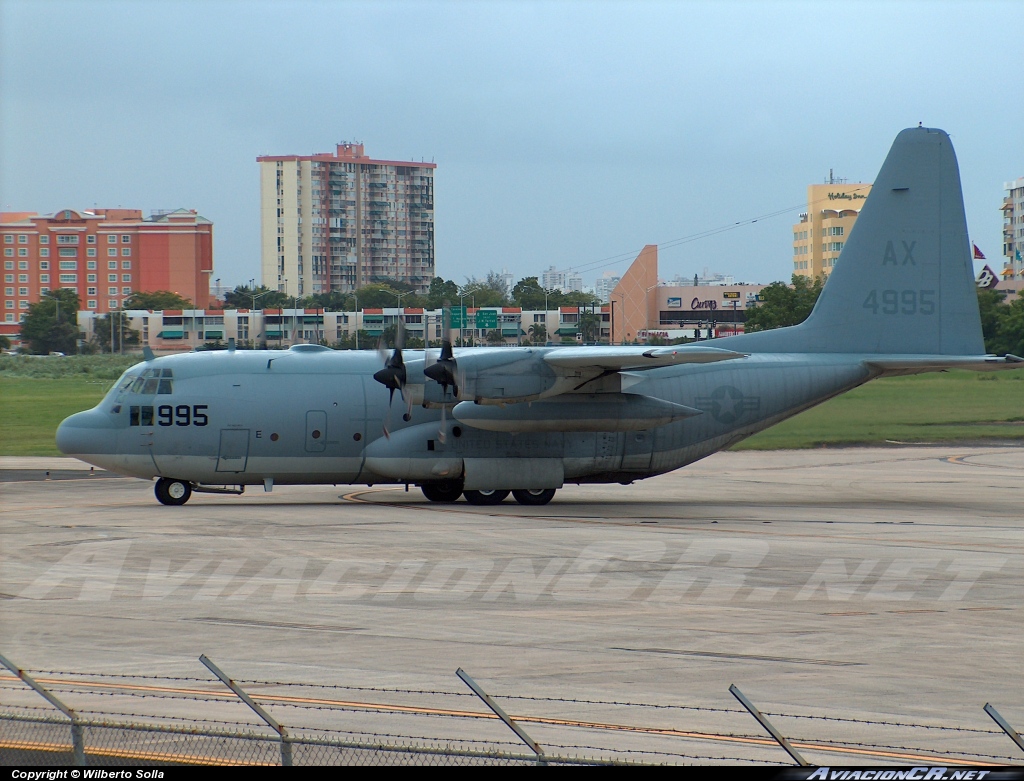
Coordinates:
[481,423]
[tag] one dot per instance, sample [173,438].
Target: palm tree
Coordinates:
[538,333]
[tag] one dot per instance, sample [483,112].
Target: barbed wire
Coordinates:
[519,697]
[839,744]
[883,723]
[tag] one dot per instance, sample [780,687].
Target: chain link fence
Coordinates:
[104,719]
[37,740]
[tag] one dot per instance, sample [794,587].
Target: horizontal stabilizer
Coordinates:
[923,363]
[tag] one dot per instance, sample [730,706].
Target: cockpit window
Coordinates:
[151,381]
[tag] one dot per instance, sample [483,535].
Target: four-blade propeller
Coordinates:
[444,371]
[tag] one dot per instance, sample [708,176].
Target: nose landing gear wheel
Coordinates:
[446,491]
[485,497]
[173,492]
[534,496]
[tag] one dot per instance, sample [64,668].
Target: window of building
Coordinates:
[126,238]
[126,251]
[44,279]
[8,291]
[23,305]
[91,264]
[22,291]
[90,239]
[63,238]
[111,277]
[111,291]
[23,277]
[111,238]
[91,278]
[22,252]
[10,317]
[92,305]
[126,291]
[91,291]
[112,264]
[9,264]
[126,277]
[68,278]
[126,264]
[23,265]
[111,303]
[91,252]
[23,238]
[44,252]
[8,277]
[69,265]
[8,252]
[8,238]
[112,252]
[44,265]
[68,252]
[43,291]
[9,304]
[44,239]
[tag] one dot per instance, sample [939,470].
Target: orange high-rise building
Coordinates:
[104,255]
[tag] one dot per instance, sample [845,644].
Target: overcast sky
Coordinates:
[565,133]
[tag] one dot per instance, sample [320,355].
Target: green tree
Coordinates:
[590,326]
[495,337]
[442,293]
[1002,324]
[156,300]
[378,295]
[485,292]
[51,324]
[538,333]
[114,337]
[335,301]
[578,298]
[242,298]
[5,342]
[528,294]
[783,305]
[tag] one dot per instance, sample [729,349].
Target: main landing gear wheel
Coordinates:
[173,492]
[534,496]
[446,491]
[485,497]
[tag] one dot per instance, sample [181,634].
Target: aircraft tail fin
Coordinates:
[904,281]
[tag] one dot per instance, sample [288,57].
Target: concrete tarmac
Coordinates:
[841,588]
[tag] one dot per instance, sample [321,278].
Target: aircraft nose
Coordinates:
[85,432]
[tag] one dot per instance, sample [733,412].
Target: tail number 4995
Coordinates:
[901,302]
[182,415]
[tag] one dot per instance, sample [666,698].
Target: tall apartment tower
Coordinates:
[334,222]
[1013,229]
[832,210]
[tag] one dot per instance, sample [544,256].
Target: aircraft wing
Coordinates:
[620,358]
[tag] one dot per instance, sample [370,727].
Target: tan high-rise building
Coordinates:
[1013,230]
[333,222]
[832,210]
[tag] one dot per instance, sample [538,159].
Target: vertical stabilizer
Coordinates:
[904,282]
